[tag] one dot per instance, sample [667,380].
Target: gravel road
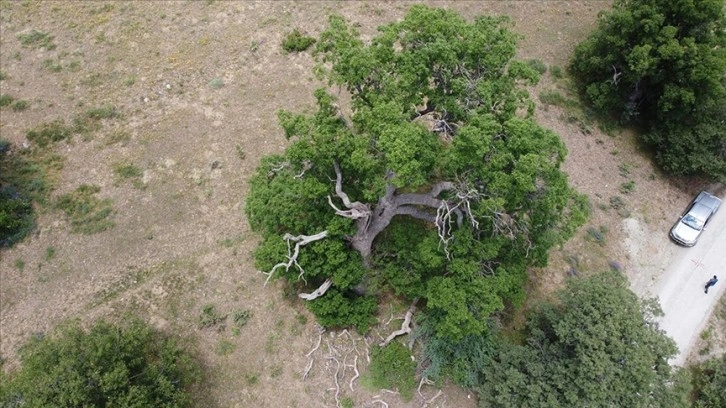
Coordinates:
[680,288]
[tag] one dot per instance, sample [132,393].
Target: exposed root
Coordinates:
[423,381]
[357,374]
[321,330]
[308,368]
[384,404]
[335,377]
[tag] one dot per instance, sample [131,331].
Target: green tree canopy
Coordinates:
[598,346]
[437,185]
[662,64]
[107,366]
[710,382]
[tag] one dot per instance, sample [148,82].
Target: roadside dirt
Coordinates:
[198,85]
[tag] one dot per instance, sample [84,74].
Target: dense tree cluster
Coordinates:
[598,346]
[436,184]
[107,366]
[661,64]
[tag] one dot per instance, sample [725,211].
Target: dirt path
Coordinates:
[676,276]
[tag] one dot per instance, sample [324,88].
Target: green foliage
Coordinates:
[91,120]
[556,72]
[391,367]
[337,309]
[661,64]
[537,65]
[295,41]
[6,100]
[86,213]
[463,360]
[36,39]
[709,379]
[17,218]
[627,187]
[597,346]
[510,201]
[241,317]
[211,318]
[20,105]
[49,133]
[129,366]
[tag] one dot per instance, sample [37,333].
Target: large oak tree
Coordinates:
[435,184]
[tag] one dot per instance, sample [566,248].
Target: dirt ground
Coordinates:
[197,84]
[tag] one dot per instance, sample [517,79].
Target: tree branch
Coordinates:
[405,326]
[318,292]
[300,240]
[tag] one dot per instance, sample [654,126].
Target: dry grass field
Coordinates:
[178,103]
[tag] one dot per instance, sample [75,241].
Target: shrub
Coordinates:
[36,39]
[16,216]
[392,367]
[87,214]
[537,65]
[6,99]
[210,318]
[49,133]
[19,105]
[336,309]
[16,211]
[108,365]
[296,42]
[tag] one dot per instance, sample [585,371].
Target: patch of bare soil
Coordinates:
[198,85]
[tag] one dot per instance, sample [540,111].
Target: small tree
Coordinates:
[662,64]
[598,346]
[438,185]
[108,366]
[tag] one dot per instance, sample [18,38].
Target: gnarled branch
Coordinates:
[405,326]
[300,240]
[320,291]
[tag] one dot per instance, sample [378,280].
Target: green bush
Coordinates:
[296,42]
[106,366]
[392,368]
[336,309]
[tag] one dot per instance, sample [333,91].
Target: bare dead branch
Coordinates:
[405,326]
[307,165]
[300,240]
[320,291]
[355,213]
